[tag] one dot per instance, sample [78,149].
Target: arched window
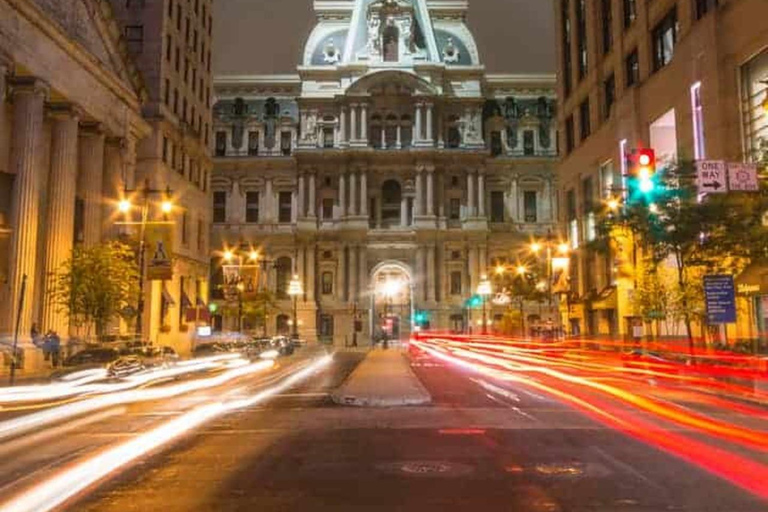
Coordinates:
[406,132]
[376,131]
[281,325]
[283,267]
[391,195]
[327,283]
[391,44]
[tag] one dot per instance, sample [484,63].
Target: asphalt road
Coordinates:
[480,445]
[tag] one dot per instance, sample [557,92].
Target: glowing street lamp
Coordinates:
[294,290]
[124,206]
[522,270]
[166,206]
[484,290]
[563,248]
[228,256]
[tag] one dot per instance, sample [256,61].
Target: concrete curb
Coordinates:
[378,396]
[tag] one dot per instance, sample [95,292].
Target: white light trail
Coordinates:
[51,493]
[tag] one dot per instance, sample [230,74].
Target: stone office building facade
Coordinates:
[391,157]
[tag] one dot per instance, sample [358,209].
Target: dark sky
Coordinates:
[267,36]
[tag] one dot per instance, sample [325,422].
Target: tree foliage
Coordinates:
[97,284]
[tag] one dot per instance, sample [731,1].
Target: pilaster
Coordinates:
[91,179]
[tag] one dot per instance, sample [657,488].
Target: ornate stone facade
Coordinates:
[391,156]
[69,93]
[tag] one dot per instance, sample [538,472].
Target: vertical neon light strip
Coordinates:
[699,152]
[623,161]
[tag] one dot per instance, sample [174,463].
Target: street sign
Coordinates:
[711,177]
[742,177]
[720,296]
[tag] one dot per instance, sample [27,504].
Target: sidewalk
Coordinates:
[383,379]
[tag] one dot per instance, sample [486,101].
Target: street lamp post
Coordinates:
[560,262]
[294,290]
[252,256]
[125,206]
[484,290]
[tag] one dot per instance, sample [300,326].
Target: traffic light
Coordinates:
[475,301]
[642,175]
[420,317]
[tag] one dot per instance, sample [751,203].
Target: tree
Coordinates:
[256,307]
[97,284]
[719,233]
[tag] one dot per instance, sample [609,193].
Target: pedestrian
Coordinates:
[55,348]
[34,333]
[46,344]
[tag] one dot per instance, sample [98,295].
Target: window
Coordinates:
[754,95]
[454,137]
[608,180]
[587,193]
[283,266]
[573,223]
[178,17]
[326,283]
[702,7]
[251,207]
[585,127]
[134,37]
[609,95]
[530,208]
[79,220]
[285,143]
[165,150]
[253,143]
[219,206]
[178,59]
[168,48]
[664,37]
[167,92]
[221,143]
[200,235]
[606,17]
[566,44]
[570,141]
[326,326]
[581,22]
[184,306]
[328,137]
[456,283]
[529,147]
[497,206]
[632,68]
[454,208]
[184,228]
[328,208]
[697,113]
[630,12]
[285,205]
[170,8]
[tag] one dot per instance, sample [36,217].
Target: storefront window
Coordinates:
[755,106]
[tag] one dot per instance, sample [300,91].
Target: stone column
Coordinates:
[404,211]
[419,194]
[471,197]
[312,196]
[343,194]
[340,268]
[90,181]
[362,282]
[483,260]
[399,143]
[513,202]
[364,124]
[129,161]
[472,270]
[343,126]
[353,194]
[352,292]
[481,194]
[363,194]
[113,187]
[353,123]
[311,273]
[3,71]
[546,202]
[59,235]
[301,271]
[430,128]
[430,192]
[269,201]
[28,100]
[421,275]
[431,273]
[301,198]
[417,129]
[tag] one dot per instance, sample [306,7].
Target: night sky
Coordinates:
[267,36]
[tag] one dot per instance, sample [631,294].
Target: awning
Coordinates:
[753,280]
[168,298]
[185,302]
[201,303]
[606,299]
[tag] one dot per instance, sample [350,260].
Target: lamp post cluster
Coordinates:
[141,199]
[242,260]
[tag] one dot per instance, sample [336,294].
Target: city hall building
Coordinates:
[386,177]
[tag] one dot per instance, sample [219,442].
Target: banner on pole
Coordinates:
[159,243]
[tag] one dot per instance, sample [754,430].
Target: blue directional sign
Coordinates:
[720,294]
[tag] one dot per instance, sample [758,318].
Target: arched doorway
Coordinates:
[391,301]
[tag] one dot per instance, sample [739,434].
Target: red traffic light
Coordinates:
[646,157]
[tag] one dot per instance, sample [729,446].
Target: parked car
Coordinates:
[125,365]
[283,344]
[92,357]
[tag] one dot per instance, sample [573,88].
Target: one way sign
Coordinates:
[712,177]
